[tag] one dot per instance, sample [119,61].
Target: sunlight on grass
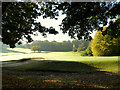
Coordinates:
[20,49]
[63,56]
[103,63]
[59,69]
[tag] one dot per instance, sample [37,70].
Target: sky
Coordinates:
[55,23]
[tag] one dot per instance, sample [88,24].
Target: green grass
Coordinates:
[48,65]
[61,69]
[69,66]
[58,61]
[62,56]
[58,74]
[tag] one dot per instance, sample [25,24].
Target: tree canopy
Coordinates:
[18,21]
[105,45]
[82,18]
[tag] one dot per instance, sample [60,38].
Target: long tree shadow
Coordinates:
[16,61]
[74,73]
[64,66]
[89,74]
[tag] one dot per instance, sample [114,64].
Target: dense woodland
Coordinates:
[53,45]
[57,46]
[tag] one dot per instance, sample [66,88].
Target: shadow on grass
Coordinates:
[15,61]
[62,66]
[70,74]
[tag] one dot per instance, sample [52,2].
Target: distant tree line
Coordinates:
[58,46]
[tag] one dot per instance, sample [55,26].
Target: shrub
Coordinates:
[84,53]
[74,49]
[87,52]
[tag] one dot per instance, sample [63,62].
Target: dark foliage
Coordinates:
[87,52]
[81,19]
[18,20]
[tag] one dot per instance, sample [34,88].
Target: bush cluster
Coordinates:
[87,52]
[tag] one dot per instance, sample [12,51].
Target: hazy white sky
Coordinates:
[55,23]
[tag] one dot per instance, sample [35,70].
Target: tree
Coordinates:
[105,45]
[113,29]
[18,22]
[36,48]
[78,22]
